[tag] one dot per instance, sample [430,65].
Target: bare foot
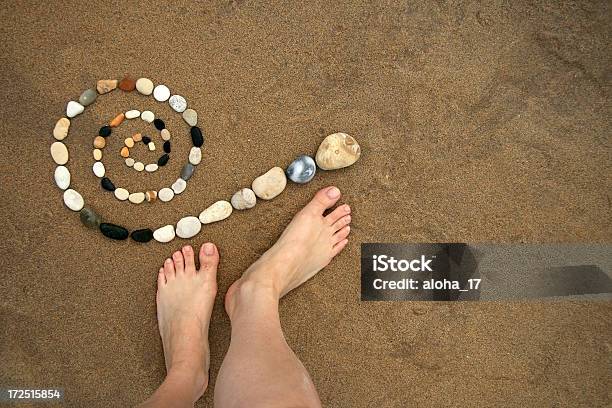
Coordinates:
[185,298]
[306,246]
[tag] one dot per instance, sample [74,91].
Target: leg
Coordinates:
[185,299]
[260,370]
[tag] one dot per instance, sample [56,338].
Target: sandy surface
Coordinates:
[477,123]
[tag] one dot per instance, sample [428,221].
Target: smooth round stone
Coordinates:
[270,184]
[165,194]
[147,116]
[99,142]
[73,109]
[196,136]
[337,151]
[137,137]
[159,124]
[98,169]
[144,86]
[195,155]
[127,84]
[73,200]
[146,140]
[142,235]
[244,199]
[114,231]
[151,167]
[187,171]
[90,218]
[179,186]
[216,212]
[161,93]
[167,146]
[121,194]
[139,166]
[130,162]
[163,160]
[60,131]
[59,153]
[132,114]
[129,142]
[136,198]
[191,117]
[151,146]
[62,177]
[178,103]
[107,184]
[117,120]
[151,196]
[164,234]
[97,154]
[106,85]
[165,134]
[302,169]
[188,227]
[125,152]
[105,131]
[88,97]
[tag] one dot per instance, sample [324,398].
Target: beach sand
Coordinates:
[478,123]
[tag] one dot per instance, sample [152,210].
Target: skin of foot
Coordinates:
[185,299]
[306,246]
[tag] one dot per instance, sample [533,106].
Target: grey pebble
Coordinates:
[187,171]
[302,169]
[88,97]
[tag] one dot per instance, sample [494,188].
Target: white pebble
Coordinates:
[151,146]
[165,194]
[144,86]
[195,155]
[136,198]
[62,177]
[178,103]
[98,169]
[147,116]
[270,184]
[179,186]
[164,234]
[161,93]
[59,153]
[132,114]
[139,166]
[216,212]
[151,167]
[121,194]
[188,227]
[129,162]
[73,109]
[244,199]
[97,154]
[165,134]
[73,200]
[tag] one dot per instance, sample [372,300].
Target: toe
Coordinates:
[323,200]
[341,223]
[169,269]
[341,234]
[179,263]
[339,247]
[161,278]
[338,213]
[209,259]
[189,259]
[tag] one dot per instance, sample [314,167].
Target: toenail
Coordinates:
[347,208]
[348,219]
[168,261]
[333,192]
[209,249]
[187,248]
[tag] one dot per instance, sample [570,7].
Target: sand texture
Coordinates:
[478,122]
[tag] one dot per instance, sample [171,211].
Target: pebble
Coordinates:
[90,218]
[161,93]
[167,146]
[159,124]
[195,156]
[270,184]
[99,142]
[121,194]
[132,114]
[129,142]
[73,200]
[98,169]
[139,166]
[151,196]
[59,153]
[73,109]
[244,199]
[146,140]
[165,134]
[163,160]
[114,231]
[164,234]
[151,167]
[88,97]
[105,131]
[106,85]
[188,227]
[337,151]
[147,116]
[97,154]
[151,146]
[62,177]
[127,84]
[130,162]
[187,171]
[137,137]
[216,212]
[117,120]
[165,194]
[60,131]
[178,103]
[302,169]
[191,117]
[125,152]
[144,86]
[179,186]
[136,198]
[142,235]
[107,184]
[196,136]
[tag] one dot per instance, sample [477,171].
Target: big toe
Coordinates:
[324,199]
[209,259]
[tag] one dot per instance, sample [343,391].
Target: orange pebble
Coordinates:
[127,84]
[137,137]
[125,152]
[151,196]
[99,142]
[118,119]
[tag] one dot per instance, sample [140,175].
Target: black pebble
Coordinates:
[167,148]
[105,131]
[114,231]
[196,136]
[142,235]
[162,161]
[107,184]
[146,140]
[159,124]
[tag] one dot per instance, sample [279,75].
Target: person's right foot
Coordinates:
[306,246]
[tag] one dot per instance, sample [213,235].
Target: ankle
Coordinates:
[190,376]
[251,294]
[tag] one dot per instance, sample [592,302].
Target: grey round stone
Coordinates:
[187,171]
[178,103]
[88,97]
[302,169]
[90,218]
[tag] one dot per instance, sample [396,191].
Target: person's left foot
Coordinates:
[185,299]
